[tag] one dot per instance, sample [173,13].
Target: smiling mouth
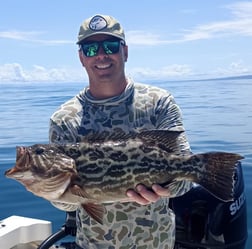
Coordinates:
[103,66]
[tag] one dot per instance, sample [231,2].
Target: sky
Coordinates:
[168,40]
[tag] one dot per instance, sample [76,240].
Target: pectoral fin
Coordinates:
[96,211]
[77,190]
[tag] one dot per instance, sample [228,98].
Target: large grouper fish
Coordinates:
[99,170]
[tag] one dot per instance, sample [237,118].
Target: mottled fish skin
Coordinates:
[102,170]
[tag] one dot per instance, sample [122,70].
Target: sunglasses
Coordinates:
[91,48]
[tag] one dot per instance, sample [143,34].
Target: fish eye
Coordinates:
[39,151]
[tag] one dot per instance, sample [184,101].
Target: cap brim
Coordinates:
[100,33]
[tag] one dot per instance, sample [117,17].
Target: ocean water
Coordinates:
[217,116]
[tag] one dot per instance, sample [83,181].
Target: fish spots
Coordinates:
[118,156]
[140,170]
[107,149]
[90,169]
[92,153]
[135,156]
[116,171]
[74,152]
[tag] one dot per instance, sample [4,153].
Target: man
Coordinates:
[114,103]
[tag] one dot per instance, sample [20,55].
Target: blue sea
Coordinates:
[217,116]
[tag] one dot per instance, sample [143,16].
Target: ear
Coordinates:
[125,52]
[81,57]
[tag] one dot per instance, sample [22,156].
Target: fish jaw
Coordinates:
[24,177]
[13,173]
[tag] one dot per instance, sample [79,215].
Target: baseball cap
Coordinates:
[100,24]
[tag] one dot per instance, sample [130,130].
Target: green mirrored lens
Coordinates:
[90,49]
[111,47]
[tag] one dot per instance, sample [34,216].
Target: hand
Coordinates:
[144,196]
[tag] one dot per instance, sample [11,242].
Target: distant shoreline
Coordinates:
[239,77]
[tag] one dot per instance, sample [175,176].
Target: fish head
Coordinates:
[43,169]
[42,160]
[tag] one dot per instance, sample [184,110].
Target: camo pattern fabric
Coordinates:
[139,107]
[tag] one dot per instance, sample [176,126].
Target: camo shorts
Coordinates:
[129,225]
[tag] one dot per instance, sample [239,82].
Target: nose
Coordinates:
[101,52]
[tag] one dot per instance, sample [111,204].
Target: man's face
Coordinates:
[103,66]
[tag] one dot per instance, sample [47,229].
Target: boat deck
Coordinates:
[31,245]
[35,245]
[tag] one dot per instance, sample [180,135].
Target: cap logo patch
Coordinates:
[97,23]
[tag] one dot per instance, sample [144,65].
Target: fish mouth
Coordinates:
[13,173]
[22,160]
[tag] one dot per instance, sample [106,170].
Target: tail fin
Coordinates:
[219,175]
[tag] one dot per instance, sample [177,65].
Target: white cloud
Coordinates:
[16,73]
[17,35]
[242,10]
[240,24]
[31,36]
[234,68]
[11,72]
[170,71]
[138,37]
[185,72]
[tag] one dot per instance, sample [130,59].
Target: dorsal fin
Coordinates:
[117,135]
[164,139]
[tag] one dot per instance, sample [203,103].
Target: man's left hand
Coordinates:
[145,196]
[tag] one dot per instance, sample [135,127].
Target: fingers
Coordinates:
[134,196]
[142,195]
